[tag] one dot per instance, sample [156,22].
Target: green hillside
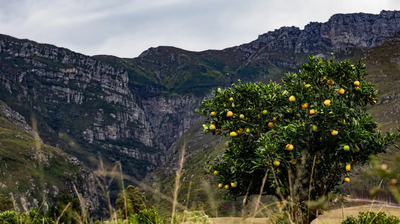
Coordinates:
[29,167]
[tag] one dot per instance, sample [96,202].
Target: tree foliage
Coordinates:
[130,202]
[67,210]
[304,136]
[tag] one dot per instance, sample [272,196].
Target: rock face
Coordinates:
[17,119]
[341,32]
[134,110]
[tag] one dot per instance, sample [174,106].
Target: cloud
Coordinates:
[126,28]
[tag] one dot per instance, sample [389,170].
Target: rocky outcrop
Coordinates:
[341,32]
[17,119]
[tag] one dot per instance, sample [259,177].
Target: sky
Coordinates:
[127,28]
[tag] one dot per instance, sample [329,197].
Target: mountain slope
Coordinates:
[28,167]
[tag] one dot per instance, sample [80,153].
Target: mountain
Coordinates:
[33,172]
[135,110]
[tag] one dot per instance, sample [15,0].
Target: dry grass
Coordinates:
[329,217]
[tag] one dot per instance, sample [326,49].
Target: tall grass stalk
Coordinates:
[177,180]
[62,213]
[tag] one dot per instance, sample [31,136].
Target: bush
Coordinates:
[10,217]
[146,216]
[371,217]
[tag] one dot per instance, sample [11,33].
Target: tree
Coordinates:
[298,140]
[67,210]
[130,202]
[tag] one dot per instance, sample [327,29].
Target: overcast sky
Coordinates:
[127,28]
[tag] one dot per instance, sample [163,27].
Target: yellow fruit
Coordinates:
[314,128]
[344,122]
[270,124]
[248,130]
[357,88]
[245,201]
[277,163]
[341,91]
[293,161]
[356,83]
[240,131]
[348,167]
[227,187]
[334,132]
[357,149]
[304,106]
[373,103]
[330,82]
[265,112]
[233,134]
[220,185]
[212,127]
[215,172]
[312,111]
[292,98]
[327,102]
[393,181]
[346,148]
[234,184]
[230,99]
[241,116]
[274,118]
[229,114]
[213,113]
[217,132]
[289,147]
[346,179]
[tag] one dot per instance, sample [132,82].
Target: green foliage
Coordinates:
[10,217]
[70,214]
[371,217]
[311,129]
[34,217]
[5,203]
[130,202]
[145,216]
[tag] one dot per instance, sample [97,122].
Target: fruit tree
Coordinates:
[297,140]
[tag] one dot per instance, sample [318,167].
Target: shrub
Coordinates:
[145,216]
[371,217]
[10,217]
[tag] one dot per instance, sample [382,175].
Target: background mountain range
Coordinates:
[62,111]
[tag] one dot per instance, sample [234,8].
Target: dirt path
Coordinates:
[329,217]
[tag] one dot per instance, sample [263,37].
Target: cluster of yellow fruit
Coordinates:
[233,184]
